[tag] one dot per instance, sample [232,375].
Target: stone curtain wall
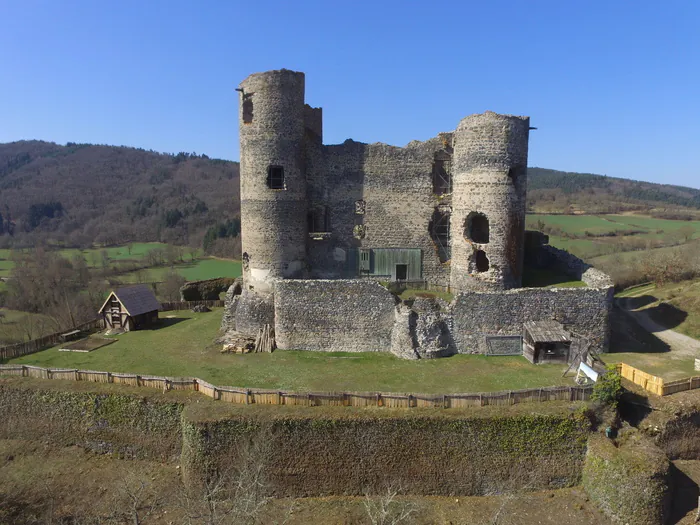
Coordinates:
[320,452]
[563,261]
[475,315]
[339,315]
[396,185]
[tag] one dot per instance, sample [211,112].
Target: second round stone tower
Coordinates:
[273,183]
[488,202]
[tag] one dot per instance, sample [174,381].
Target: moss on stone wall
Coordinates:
[313,452]
[629,483]
[121,423]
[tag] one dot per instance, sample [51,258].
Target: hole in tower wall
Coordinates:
[275,178]
[476,228]
[247,108]
[482,262]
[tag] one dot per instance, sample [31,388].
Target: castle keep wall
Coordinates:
[338,315]
[395,185]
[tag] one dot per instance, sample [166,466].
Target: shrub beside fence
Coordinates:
[36,345]
[657,385]
[249,396]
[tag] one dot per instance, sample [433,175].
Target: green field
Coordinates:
[93,256]
[206,268]
[200,268]
[183,347]
[590,236]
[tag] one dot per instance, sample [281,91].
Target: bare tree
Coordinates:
[170,289]
[236,492]
[387,508]
[135,499]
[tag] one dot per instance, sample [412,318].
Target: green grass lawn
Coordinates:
[206,268]
[578,224]
[184,347]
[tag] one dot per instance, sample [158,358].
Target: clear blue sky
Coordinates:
[613,86]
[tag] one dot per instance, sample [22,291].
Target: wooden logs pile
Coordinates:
[265,341]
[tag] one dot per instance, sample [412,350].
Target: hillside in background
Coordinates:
[82,194]
[551,191]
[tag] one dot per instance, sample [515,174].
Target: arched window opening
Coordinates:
[476,228]
[439,228]
[482,262]
[275,178]
[442,173]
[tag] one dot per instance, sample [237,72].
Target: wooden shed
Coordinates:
[130,308]
[546,342]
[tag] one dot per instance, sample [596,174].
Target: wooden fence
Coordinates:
[280,397]
[656,385]
[47,341]
[188,305]
[36,345]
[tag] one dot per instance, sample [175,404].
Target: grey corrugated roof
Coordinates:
[137,299]
[547,332]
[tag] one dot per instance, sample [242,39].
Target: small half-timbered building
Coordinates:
[130,308]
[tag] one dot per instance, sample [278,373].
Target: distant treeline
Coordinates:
[611,188]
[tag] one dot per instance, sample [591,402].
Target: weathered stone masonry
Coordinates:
[322,224]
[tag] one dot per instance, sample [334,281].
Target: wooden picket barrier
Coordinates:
[47,341]
[252,396]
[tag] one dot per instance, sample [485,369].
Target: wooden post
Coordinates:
[481,400]
[247,397]
[279,398]
[444,402]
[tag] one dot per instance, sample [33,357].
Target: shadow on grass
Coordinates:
[165,322]
[634,407]
[685,494]
[633,303]
[628,336]
[667,315]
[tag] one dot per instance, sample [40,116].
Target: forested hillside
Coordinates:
[562,192]
[81,194]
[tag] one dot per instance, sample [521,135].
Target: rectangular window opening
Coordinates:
[275,178]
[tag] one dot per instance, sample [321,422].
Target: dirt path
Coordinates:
[680,344]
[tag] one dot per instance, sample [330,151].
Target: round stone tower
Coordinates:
[273,183]
[488,201]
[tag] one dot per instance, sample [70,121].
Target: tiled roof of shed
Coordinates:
[137,299]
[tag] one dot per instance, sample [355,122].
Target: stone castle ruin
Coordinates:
[323,225]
